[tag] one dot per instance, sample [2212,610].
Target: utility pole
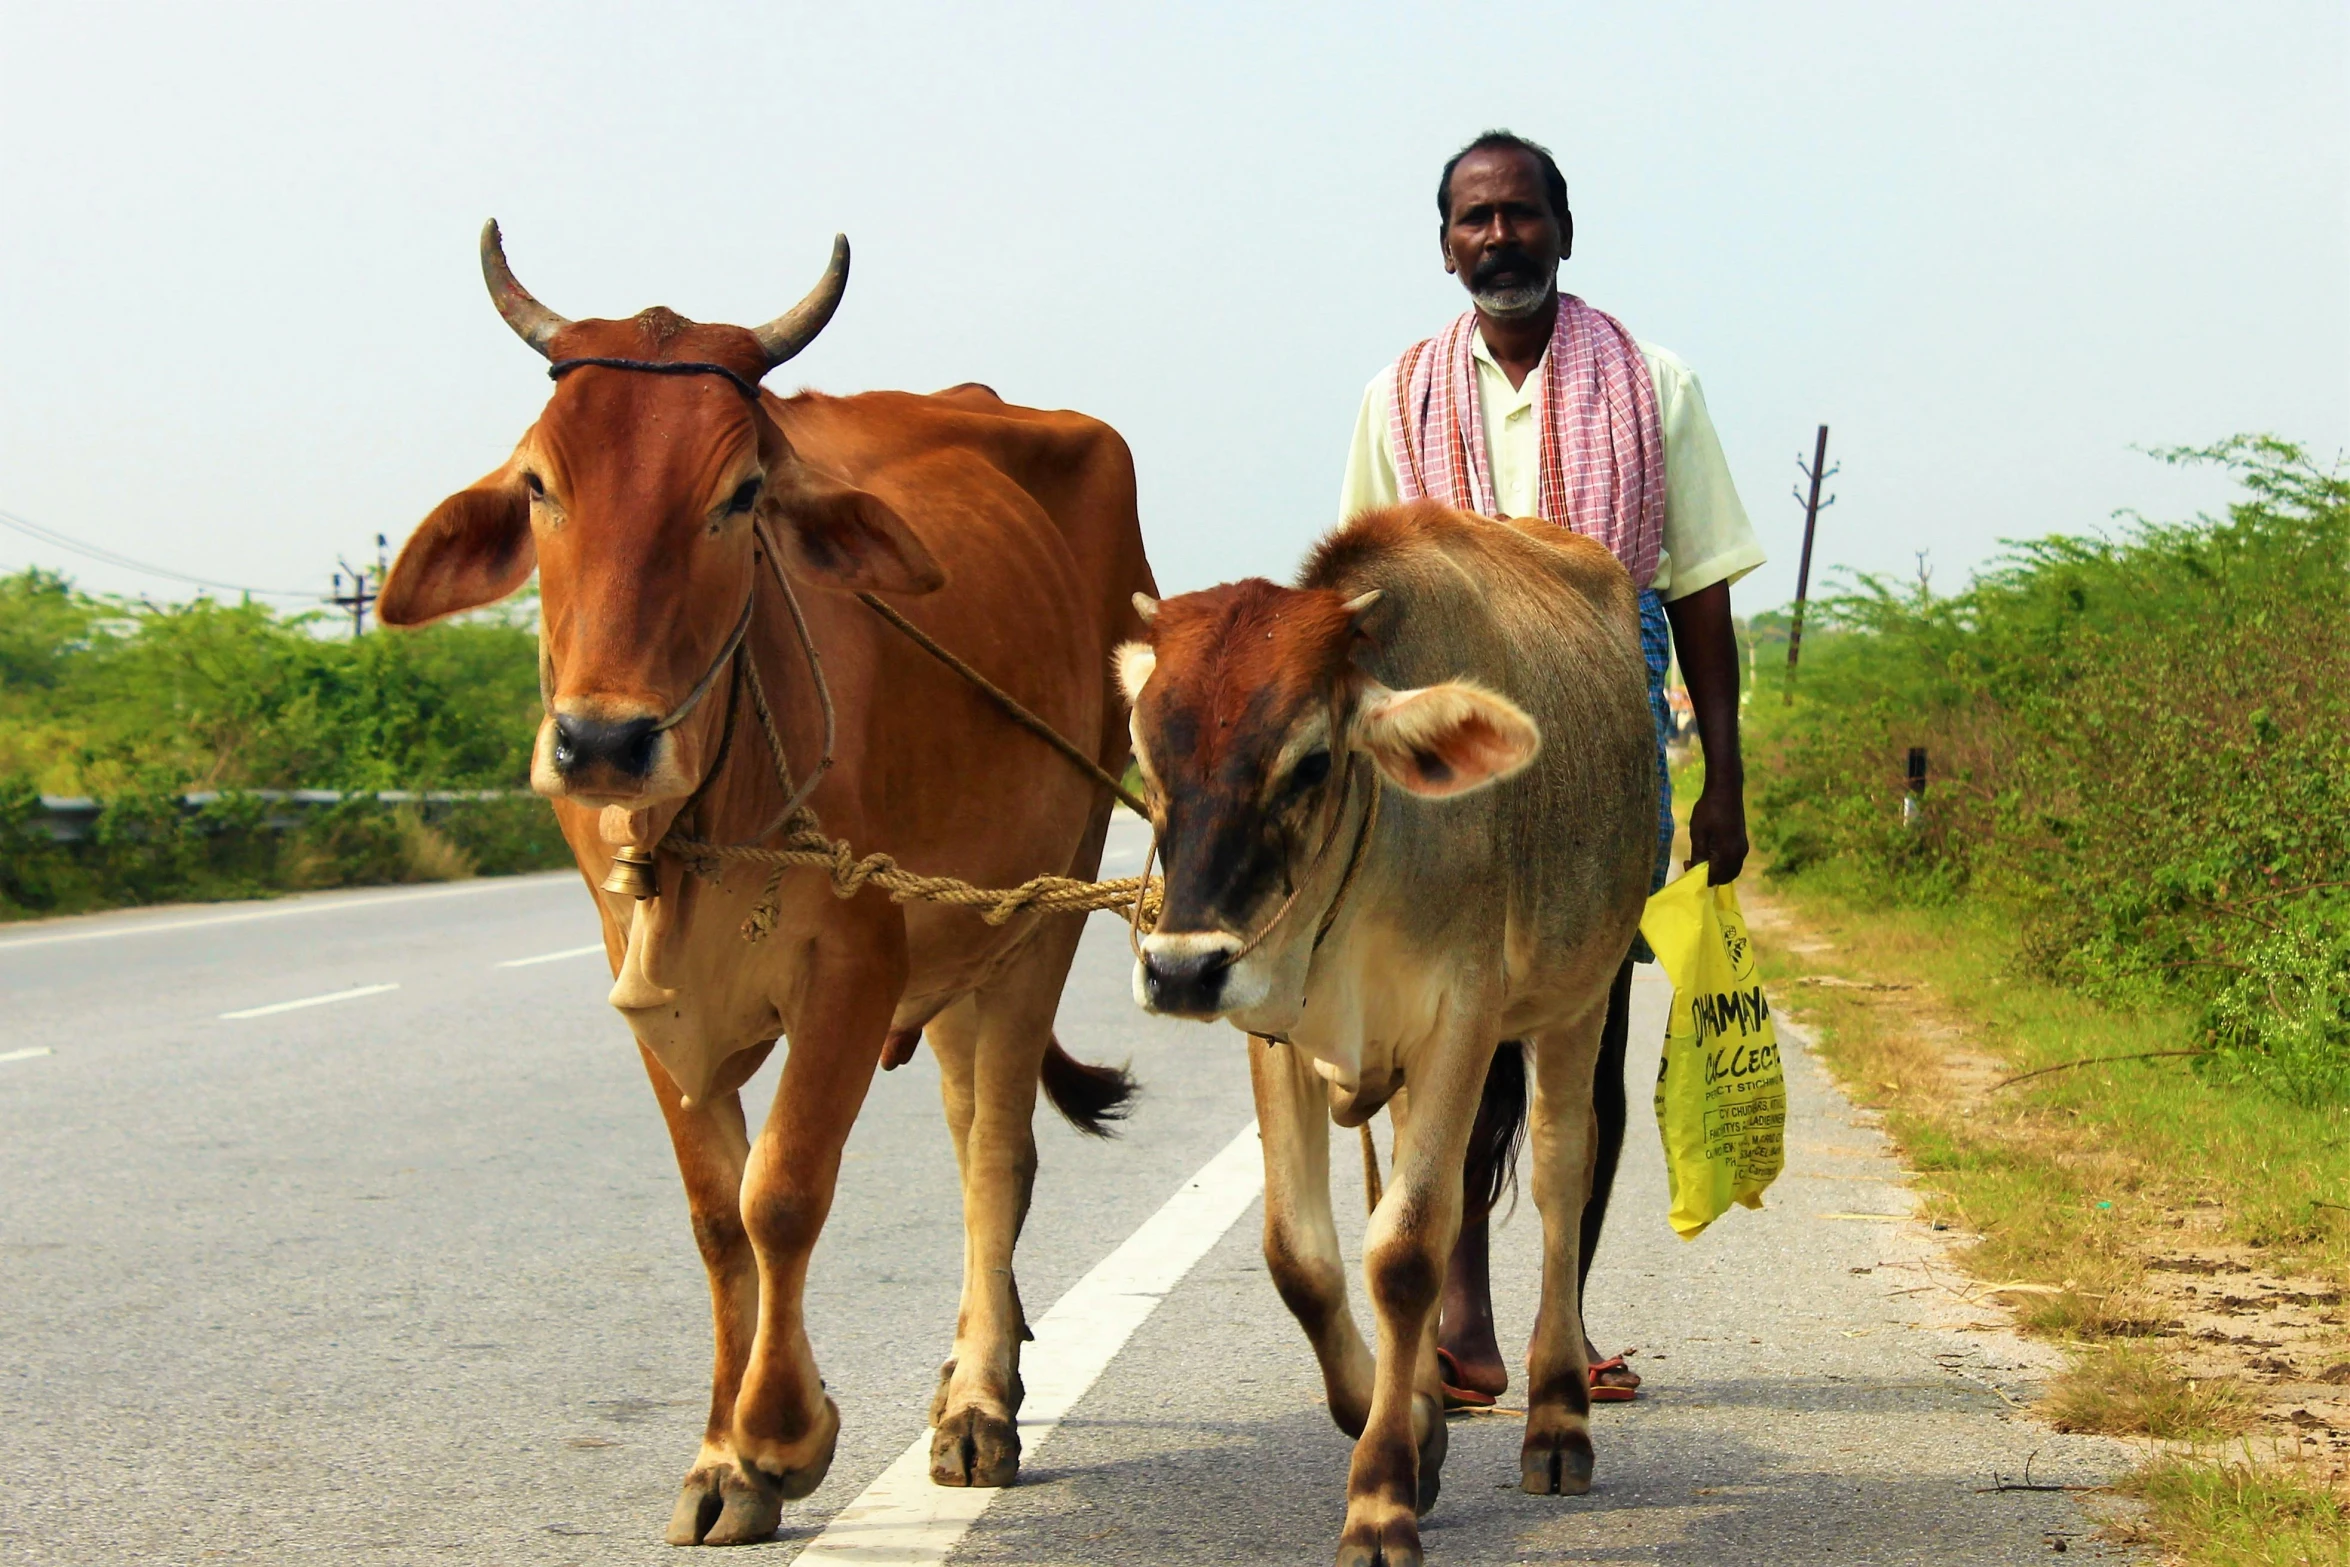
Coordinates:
[1812,506]
[365,589]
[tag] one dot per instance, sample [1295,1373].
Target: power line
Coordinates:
[50,536]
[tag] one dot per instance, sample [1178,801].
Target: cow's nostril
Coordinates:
[1187,981]
[625,746]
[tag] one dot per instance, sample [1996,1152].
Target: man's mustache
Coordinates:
[1500,263]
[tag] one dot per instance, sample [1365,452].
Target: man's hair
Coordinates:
[1554,184]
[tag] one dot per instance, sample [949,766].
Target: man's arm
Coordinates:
[1710,545]
[1708,647]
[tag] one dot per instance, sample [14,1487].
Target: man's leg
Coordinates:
[1609,1106]
[1465,1335]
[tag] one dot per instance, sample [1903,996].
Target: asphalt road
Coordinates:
[405,1276]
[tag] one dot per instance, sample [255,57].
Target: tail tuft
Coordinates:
[1091,1098]
[1492,1165]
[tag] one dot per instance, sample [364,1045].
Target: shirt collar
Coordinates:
[1518,396]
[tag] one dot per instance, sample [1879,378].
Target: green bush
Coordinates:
[2140,743]
[138,704]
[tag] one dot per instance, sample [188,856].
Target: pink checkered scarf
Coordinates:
[1603,451]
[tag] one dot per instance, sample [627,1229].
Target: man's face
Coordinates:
[1502,241]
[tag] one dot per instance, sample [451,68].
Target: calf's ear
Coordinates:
[473,550]
[1446,739]
[837,536]
[1135,663]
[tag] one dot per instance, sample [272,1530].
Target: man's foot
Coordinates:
[1469,1387]
[1612,1382]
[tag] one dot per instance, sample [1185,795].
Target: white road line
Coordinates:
[26,1055]
[901,1519]
[553,957]
[352,994]
[275,912]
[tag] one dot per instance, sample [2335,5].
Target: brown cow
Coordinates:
[1377,865]
[648,496]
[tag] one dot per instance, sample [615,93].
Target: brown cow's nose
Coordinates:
[623,745]
[1189,984]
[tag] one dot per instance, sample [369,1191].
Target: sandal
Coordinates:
[1612,1392]
[1456,1395]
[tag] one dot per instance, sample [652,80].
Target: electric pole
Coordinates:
[1817,472]
[365,589]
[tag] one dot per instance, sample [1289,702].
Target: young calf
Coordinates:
[1378,868]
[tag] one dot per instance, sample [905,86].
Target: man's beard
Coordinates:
[1513,304]
[1514,301]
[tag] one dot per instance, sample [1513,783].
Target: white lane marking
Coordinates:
[901,1519]
[553,957]
[277,912]
[27,1055]
[353,994]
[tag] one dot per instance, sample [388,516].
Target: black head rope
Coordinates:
[750,389]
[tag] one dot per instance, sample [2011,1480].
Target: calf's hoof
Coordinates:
[1389,1541]
[975,1447]
[1555,1464]
[726,1504]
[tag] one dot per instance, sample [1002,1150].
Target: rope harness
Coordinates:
[806,845]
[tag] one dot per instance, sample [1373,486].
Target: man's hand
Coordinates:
[1708,645]
[1717,831]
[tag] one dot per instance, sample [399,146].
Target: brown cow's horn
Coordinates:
[533,322]
[797,327]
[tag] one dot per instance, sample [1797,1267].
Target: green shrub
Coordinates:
[138,704]
[2141,744]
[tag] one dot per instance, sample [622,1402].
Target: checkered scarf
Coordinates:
[1603,452]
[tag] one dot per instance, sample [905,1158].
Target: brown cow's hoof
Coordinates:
[1432,1453]
[1392,1543]
[975,1447]
[938,1400]
[726,1504]
[1556,1464]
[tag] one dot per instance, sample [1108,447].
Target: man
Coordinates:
[1534,404]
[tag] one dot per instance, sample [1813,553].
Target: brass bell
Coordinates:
[632,873]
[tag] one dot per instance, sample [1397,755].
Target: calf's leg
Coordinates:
[1301,1234]
[1556,1456]
[1394,1476]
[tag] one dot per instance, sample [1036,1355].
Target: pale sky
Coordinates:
[1996,247]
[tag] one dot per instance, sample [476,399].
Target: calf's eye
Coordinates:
[1310,771]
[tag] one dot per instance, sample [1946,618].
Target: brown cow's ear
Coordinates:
[1445,739]
[836,536]
[473,550]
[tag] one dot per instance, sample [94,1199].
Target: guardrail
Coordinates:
[70,818]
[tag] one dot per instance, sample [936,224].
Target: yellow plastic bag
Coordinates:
[1721,1099]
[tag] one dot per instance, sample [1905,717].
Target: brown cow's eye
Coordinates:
[746,495]
[1309,773]
[538,491]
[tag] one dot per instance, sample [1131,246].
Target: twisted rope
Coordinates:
[807,846]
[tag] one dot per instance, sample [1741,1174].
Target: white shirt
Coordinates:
[1707,537]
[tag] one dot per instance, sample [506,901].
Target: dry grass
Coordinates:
[2134,1390]
[426,854]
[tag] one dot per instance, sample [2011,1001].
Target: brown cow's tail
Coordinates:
[1092,1098]
[1492,1165]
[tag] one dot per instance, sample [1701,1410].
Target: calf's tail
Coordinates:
[1091,1098]
[1492,1165]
